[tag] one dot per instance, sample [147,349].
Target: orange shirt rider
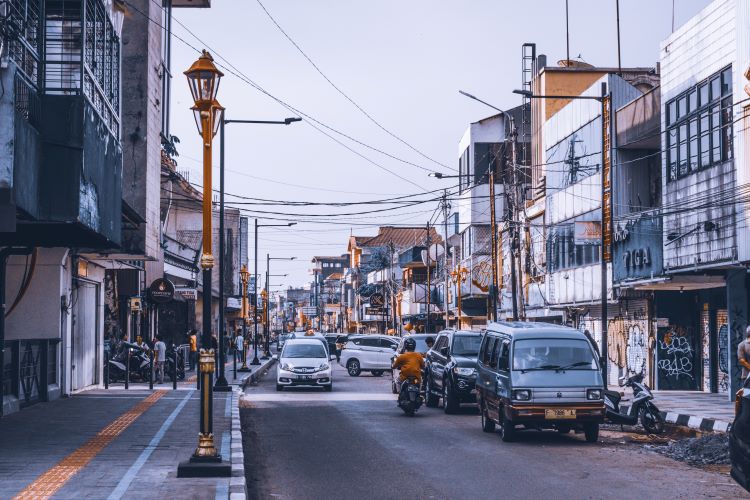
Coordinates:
[410,364]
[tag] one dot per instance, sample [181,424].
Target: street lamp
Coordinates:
[256,361]
[267,349]
[603,99]
[244,278]
[203,79]
[458,276]
[221,381]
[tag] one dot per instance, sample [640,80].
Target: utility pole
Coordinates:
[427,322]
[445,258]
[492,309]
[512,215]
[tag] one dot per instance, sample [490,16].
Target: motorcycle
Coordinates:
[641,408]
[140,364]
[170,363]
[410,397]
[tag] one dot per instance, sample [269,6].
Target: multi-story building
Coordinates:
[327,293]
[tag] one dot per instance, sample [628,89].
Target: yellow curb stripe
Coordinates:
[55,478]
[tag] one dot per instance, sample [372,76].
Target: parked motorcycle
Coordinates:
[140,364]
[410,397]
[170,363]
[641,408]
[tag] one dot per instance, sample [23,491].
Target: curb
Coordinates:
[257,373]
[237,487]
[696,422]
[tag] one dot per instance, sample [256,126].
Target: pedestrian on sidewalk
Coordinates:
[239,344]
[193,340]
[215,347]
[743,354]
[160,349]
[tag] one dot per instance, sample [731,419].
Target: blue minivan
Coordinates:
[539,376]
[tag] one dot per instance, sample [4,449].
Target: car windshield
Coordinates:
[466,345]
[304,351]
[421,344]
[553,354]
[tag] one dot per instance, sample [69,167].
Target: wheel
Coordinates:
[591,431]
[488,425]
[352,366]
[377,373]
[279,387]
[507,430]
[328,388]
[450,401]
[431,400]
[651,419]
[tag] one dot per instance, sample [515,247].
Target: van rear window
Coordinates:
[553,354]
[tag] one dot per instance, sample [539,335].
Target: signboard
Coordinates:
[587,233]
[234,303]
[135,304]
[161,291]
[310,311]
[374,311]
[187,293]
[377,300]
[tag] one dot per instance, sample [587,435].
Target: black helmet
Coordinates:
[410,344]
[429,340]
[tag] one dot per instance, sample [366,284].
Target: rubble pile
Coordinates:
[704,450]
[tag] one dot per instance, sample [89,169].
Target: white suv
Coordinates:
[371,353]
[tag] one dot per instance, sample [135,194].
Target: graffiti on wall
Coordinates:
[676,358]
[724,358]
[628,344]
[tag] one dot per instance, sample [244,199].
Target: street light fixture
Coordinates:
[267,348]
[244,278]
[603,99]
[221,381]
[203,79]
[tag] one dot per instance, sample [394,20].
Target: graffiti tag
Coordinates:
[680,355]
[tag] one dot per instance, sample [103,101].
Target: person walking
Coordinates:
[239,344]
[193,340]
[160,351]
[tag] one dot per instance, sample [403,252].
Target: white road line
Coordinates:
[315,396]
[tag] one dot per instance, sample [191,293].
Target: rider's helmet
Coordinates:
[410,345]
[430,341]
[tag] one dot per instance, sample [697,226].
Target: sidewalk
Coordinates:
[698,410]
[119,444]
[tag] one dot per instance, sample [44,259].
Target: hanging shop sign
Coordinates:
[187,293]
[587,233]
[377,300]
[161,291]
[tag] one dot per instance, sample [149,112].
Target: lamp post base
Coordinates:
[204,467]
[255,361]
[222,385]
[244,369]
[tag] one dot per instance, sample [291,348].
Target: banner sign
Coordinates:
[588,233]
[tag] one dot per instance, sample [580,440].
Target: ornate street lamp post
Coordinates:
[244,279]
[203,79]
[459,276]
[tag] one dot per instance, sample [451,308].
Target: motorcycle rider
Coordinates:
[410,363]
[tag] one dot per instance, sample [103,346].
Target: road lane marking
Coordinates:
[315,396]
[55,478]
[124,483]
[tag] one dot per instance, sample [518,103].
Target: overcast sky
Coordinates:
[403,62]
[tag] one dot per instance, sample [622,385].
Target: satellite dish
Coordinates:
[436,250]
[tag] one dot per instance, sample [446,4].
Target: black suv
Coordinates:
[451,369]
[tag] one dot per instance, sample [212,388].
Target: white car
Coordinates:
[371,353]
[304,362]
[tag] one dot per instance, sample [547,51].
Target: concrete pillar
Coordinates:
[737,308]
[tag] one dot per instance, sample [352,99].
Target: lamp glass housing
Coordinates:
[204,78]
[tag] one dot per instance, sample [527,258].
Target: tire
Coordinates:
[488,425]
[394,386]
[651,419]
[353,368]
[507,429]
[591,431]
[450,401]
[279,387]
[431,400]
[377,373]
[328,388]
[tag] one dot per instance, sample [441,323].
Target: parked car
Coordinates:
[371,353]
[304,362]
[451,369]
[541,376]
[421,348]
[331,339]
[739,437]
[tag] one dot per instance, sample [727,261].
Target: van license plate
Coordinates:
[559,413]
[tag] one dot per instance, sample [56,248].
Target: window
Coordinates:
[441,342]
[466,345]
[553,354]
[495,353]
[387,343]
[563,253]
[699,126]
[487,155]
[576,157]
[503,361]
[489,347]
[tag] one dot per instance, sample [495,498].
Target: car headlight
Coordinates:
[323,366]
[594,394]
[286,366]
[464,372]
[522,394]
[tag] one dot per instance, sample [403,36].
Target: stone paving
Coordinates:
[116,443]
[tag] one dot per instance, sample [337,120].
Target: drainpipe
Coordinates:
[4,254]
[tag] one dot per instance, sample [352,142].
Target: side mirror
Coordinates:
[394,346]
[444,351]
[275,357]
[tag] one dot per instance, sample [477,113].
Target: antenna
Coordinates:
[567,35]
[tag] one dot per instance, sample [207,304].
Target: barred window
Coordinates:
[699,126]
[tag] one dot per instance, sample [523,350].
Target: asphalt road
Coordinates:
[355,443]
